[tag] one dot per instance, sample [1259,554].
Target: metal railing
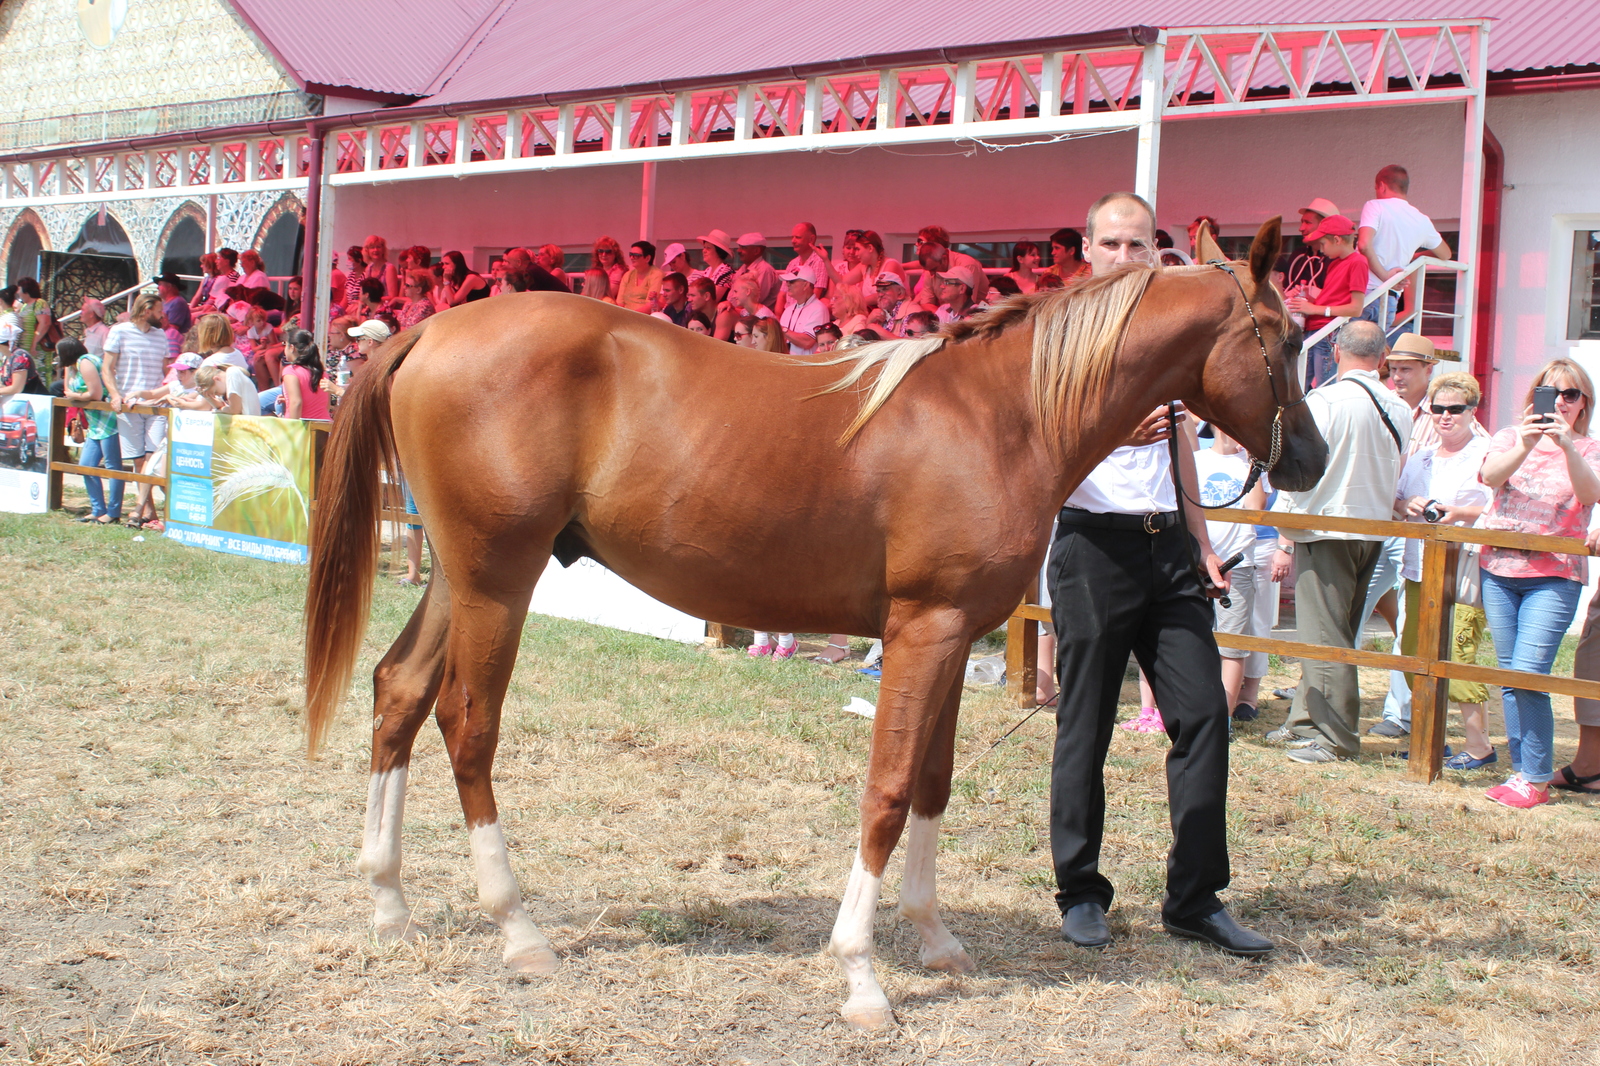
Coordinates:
[1431,666]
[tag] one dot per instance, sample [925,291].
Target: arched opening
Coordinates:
[97,239]
[98,263]
[185,244]
[280,249]
[23,259]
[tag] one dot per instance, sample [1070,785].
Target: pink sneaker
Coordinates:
[1517,793]
[786,653]
[1149,721]
[758,651]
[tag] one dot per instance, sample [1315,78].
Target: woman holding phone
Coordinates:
[1545,475]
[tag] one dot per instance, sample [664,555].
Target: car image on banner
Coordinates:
[25,453]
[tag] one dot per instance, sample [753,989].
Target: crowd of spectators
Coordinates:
[1411,448]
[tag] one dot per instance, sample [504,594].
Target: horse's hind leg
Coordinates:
[918,897]
[404,686]
[485,629]
[922,660]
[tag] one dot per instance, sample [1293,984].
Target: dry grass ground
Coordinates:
[177,884]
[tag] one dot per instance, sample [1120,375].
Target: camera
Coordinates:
[1432,512]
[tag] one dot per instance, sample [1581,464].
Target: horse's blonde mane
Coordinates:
[1076,334]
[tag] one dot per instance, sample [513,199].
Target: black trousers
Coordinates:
[1116,591]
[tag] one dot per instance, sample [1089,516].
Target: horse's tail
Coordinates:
[345,535]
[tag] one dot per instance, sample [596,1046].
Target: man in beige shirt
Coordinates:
[1367,428]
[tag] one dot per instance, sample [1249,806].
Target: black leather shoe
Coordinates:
[1222,931]
[1084,924]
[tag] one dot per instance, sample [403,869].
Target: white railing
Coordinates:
[105,301]
[1183,72]
[1414,320]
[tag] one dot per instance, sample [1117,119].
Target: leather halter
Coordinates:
[1276,449]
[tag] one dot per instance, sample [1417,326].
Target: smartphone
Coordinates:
[1544,401]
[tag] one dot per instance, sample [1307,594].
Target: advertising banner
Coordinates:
[25,453]
[240,484]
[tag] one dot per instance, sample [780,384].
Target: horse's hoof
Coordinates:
[539,960]
[867,1017]
[957,961]
[402,929]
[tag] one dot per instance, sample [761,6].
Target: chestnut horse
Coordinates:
[761,491]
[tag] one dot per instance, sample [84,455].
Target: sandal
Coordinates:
[406,582]
[135,523]
[1568,781]
[155,525]
[824,657]
[86,519]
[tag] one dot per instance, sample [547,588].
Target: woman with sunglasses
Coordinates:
[641,284]
[419,297]
[1439,483]
[608,257]
[1545,473]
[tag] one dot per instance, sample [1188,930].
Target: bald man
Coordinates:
[1122,581]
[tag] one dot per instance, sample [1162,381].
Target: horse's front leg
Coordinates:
[922,657]
[918,895]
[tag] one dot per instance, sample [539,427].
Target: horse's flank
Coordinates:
[1076,335]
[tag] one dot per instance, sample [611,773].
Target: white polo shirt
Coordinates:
[1134,479]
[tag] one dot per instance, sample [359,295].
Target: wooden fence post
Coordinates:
[1430,693]
[55,482]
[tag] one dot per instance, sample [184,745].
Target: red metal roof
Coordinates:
[382,48]
[458,51]
[540,47]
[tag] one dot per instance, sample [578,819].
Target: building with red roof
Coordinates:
[153,130]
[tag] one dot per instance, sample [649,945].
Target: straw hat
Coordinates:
[1413,346]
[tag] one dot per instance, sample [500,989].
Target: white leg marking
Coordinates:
[867,1007]
[527,950]
[919,899]
[380,854]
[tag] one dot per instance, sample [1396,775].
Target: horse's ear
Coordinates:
[1265,249]
[1206,247]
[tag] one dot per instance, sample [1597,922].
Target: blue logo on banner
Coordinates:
[193,459]
[190,499]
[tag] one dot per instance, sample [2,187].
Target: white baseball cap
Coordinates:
[753,240]
[673,251]
[373,329]
[800,273]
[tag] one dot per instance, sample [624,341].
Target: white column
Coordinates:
[647,203]
[1152,97]
[416,149]
[325,247]
[1050,85]
[1471,203]
[966,93]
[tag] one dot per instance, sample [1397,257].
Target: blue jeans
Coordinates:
[272,400]
[1528,617]
[105,453]
[1320,368]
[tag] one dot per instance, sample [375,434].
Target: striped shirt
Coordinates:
[141,356]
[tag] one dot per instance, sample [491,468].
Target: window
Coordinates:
[1583,315]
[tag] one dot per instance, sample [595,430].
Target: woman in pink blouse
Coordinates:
[1545,474]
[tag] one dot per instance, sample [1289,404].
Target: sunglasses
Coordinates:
[1571,395]
[1450,408]
[635,255]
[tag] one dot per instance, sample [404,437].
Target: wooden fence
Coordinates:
[1431,665]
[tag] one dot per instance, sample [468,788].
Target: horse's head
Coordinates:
[1248,384]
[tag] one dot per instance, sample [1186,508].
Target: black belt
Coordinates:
[1154,522]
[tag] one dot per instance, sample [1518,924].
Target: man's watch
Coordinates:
[1286,546]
